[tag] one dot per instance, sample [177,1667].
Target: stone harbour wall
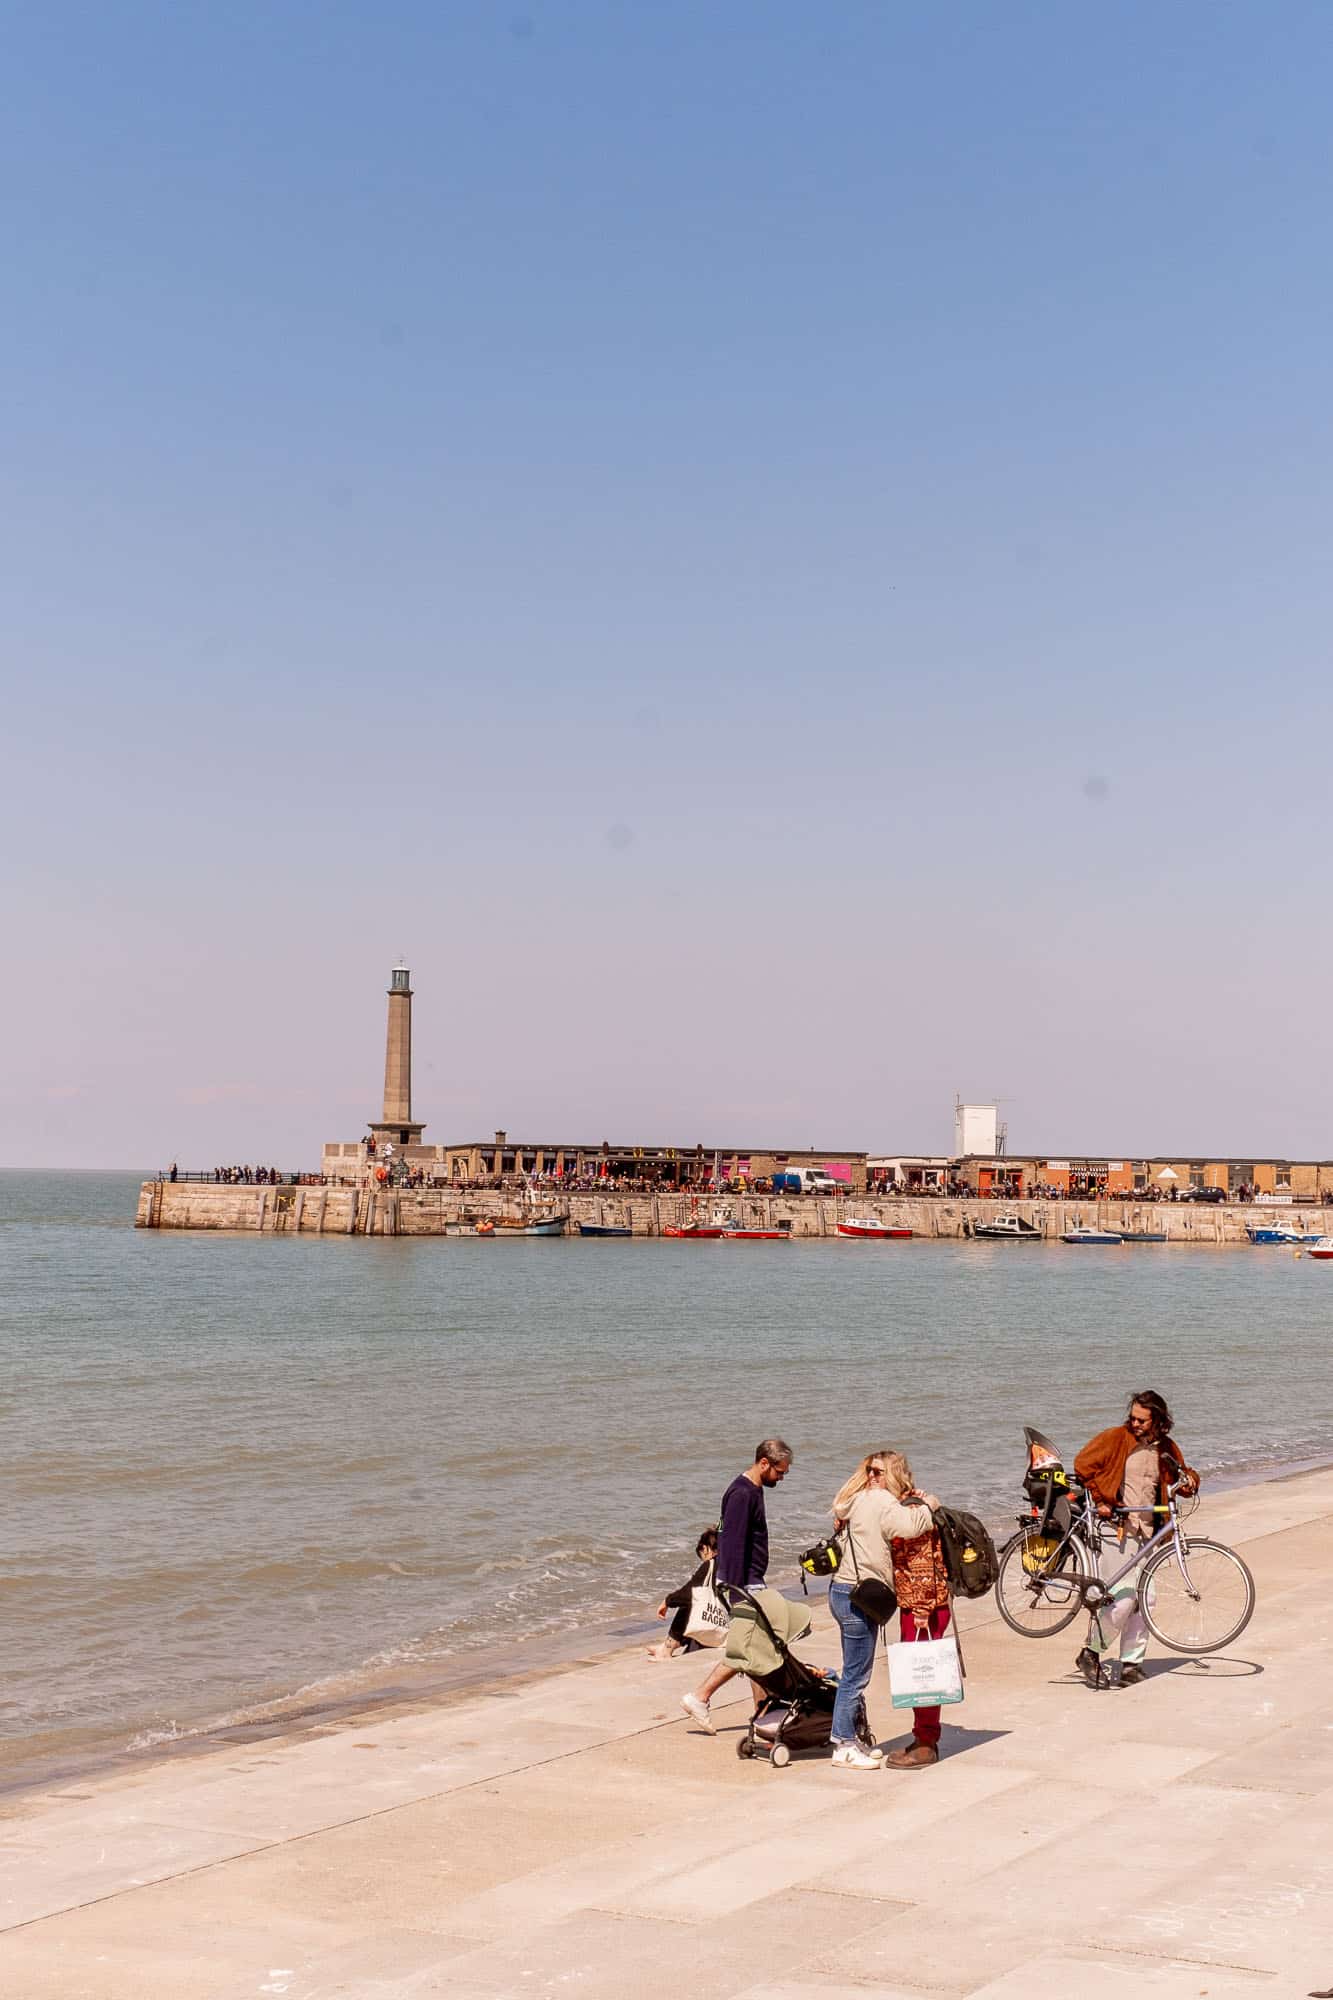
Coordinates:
[343,1211]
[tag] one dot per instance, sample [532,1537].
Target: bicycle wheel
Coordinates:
[1040,1589]
[1201,1607]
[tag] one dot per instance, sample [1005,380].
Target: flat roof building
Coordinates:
[1030,1174]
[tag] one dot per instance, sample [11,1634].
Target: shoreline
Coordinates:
[577,1833]
[358,1696]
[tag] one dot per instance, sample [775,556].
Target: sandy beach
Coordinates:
[572,1833]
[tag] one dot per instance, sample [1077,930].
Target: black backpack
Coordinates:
[969,1553]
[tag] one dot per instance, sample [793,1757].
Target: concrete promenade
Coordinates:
[573,1835]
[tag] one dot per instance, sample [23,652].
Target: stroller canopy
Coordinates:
[749,1647]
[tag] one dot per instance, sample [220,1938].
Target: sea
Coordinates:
[254,1479]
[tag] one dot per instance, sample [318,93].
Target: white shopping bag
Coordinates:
[709,1617]
[925,1673]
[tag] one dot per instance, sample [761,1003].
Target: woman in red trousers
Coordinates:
[922,1584]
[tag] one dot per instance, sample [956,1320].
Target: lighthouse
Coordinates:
[396,1125]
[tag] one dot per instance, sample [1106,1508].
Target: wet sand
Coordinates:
[569,1831]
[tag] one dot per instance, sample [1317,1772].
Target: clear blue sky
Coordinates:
[779,553]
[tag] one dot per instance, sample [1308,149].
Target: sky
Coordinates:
[777,555]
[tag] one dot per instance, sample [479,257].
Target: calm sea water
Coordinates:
[241,1467]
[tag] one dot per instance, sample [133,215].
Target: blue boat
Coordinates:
[602,1229]
[1281,1232]
[1085,1233]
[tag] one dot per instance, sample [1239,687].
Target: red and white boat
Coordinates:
[1323,1249]
[871,1226]
[698,1232]
[736,1232]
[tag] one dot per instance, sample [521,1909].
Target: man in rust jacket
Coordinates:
[1129,1468]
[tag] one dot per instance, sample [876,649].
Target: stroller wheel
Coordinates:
[779,1755]
[745,1748]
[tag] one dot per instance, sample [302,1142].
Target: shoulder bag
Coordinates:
[874,1599]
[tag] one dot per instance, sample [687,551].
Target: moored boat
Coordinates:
[538,1225]
[1085,1233]
[1008,1228]
[738,1232]
[1322,1250]
[1143,1236]
[1281,1232]
[870,1226]
[702,1227]
[605,1229]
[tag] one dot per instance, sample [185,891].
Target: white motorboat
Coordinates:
[1008,1227]
[1296,1231]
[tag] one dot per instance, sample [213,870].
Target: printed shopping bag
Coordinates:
[925,1673]
[709,1617]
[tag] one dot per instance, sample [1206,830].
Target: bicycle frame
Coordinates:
[1086,1527]
[1194,1594]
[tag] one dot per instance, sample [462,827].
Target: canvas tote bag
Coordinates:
[709,1617]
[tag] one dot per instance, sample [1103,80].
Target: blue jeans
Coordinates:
[858,1657]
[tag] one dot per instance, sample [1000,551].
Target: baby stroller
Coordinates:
[797,1711]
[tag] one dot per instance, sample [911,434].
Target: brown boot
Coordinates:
[915,1758]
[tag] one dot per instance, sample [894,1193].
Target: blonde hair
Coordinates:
[896,1472]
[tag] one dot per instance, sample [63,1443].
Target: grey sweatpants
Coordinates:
[1121,1618]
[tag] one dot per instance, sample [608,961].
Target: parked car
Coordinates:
[1203,1194]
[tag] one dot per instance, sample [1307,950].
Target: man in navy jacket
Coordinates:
[742,1554]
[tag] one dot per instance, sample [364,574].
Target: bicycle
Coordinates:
[1196,1595]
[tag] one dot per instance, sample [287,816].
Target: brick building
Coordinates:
[1030,1174]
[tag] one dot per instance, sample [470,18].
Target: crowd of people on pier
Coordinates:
[245,1176]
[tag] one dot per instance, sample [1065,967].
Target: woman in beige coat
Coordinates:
[872,1509]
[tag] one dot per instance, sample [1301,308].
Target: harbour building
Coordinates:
[1022,1176]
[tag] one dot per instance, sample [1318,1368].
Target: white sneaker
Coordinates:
[698,1712]
[859,1759]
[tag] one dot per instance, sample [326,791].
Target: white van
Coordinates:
[815,1181]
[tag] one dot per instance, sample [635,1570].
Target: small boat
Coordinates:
[483,1228]
[603,1229]
[543,1225]
[703,1228]
[1322,1250]
[1143,1236]
[1281,1232]
[871,1227]
[1085,1233]
[737,1232]
[1008,1228]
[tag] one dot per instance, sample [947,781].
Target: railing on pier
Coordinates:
[235,1176]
